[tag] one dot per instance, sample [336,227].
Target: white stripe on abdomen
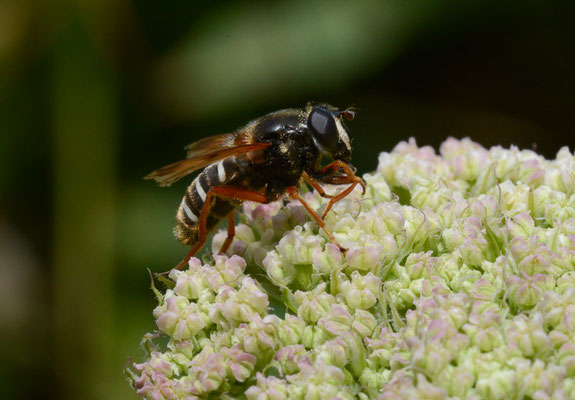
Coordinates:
[189,213]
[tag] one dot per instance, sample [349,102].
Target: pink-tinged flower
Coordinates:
[373,381]
[531,172]
[531,256]
[432,193]
[561,179]
[298,246]
[407,160]
[207,372]
[314,336]
[484,207]
[365,256]
[566,358]
[475,247]
[451,308]
[449,268]
[362,291]
[381,347]
[344,229]
[328,259]
[499,383]
[538,380]
[528,335]
[291,330]
[337,320]
[516,198]
[403,386]
[385,218]
[179,318]
[458,380]
[193,282]
[418,226]
[288,218]
[505,162]
[421,265]
[484,327]
[468,166]
[333,352]
[244,239]
[355,351]
[364,322]
[154,378]
[398,290]
[249,251]
[259,335]
[280,271]
[245,233]
[240,364]
[291,358]
[558,311]
[453,148]
[525,291]
[452,238]
[227,272]
[432,344]
[566,282]
[486,180]
[260,215]
[270,388]
[314,304]
[521,226]
[241,305]
[539,199]
[319,381]
[186,349]
[377,189]
[484,289]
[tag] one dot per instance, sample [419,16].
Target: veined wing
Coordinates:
[202,156]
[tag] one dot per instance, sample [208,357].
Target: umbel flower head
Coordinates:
[458,282]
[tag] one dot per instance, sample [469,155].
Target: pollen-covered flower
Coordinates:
[458,281]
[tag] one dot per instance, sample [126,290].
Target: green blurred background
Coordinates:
[96,94]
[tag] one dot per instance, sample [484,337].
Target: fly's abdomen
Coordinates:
[189,212]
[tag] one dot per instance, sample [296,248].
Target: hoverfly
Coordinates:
[260,162]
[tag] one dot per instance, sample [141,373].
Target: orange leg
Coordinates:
[316,186]
[231,233]
[348,178]
[334,166]
[342,195]
[223,191]
[294,193]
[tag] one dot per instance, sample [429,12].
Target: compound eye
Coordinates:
[322,123]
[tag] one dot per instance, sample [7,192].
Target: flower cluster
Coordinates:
[458,282]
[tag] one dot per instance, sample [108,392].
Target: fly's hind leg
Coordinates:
[220,191]
[231,233]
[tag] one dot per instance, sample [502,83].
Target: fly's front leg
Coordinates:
[327,175]
[316,186]
[294,193]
